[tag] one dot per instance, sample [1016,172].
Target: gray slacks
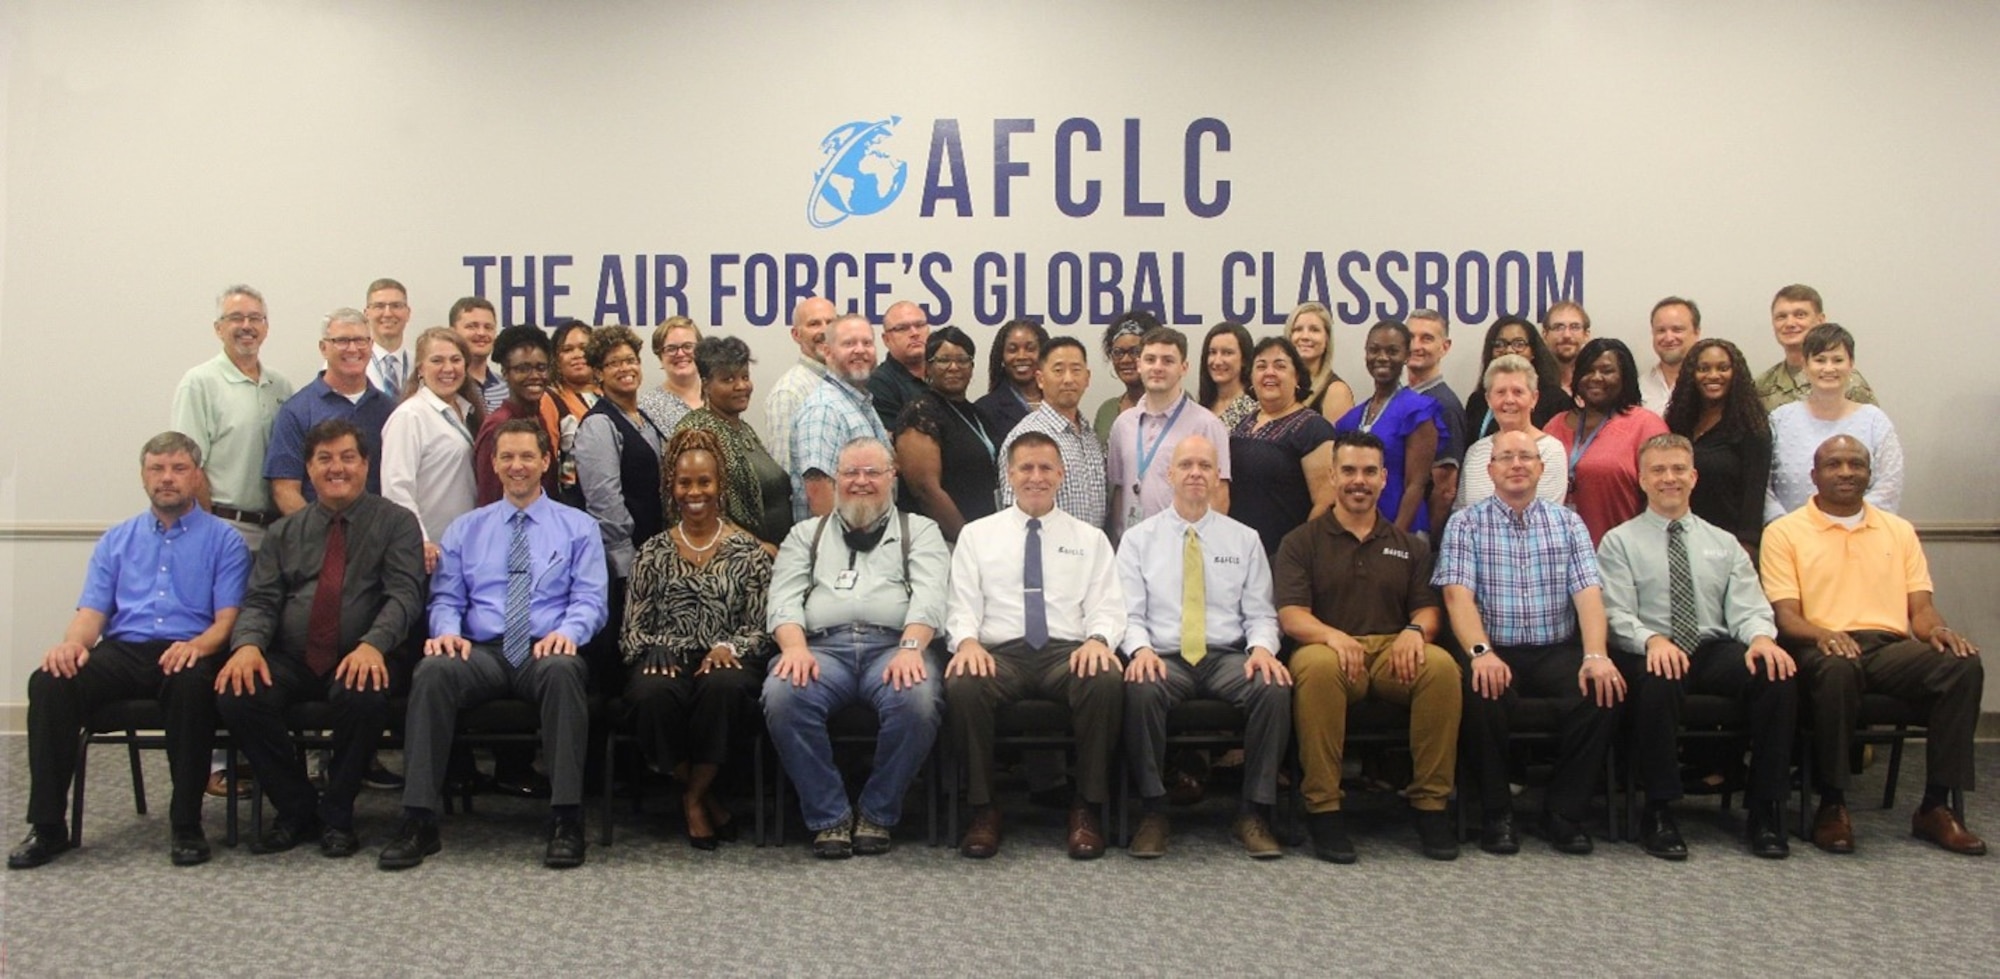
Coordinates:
[444,685]
[1218,675]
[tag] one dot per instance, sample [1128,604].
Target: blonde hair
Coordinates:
[1321,375]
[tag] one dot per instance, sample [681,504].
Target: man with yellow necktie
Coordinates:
[1199,622]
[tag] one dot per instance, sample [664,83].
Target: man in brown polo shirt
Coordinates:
[1355,592]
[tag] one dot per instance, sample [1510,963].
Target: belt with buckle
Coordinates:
[261,518]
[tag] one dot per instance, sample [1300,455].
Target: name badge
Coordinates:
[846,579]
[1133,514]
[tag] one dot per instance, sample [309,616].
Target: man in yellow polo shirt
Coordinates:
[1852,593]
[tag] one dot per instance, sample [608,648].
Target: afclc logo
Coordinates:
[856,178]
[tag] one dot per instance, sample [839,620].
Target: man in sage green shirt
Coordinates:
[226,405]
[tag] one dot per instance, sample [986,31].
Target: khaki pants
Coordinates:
[1319,711]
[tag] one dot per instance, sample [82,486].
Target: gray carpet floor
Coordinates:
[651,905]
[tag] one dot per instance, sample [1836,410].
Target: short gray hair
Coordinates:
[345,314]
[238,289]
[1444,325]
[1510,364]
[170,443]
[868,442]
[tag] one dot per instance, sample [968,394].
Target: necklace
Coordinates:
[1367,422]
[703,548]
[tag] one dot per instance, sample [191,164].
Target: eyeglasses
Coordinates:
[1125,353]
[528,369]
[624,361]
[238,319]
[1515,458]
[863,472]
[346,341]
[952,362]
[1516,345]
[385,307]
[677,348]
[889,331]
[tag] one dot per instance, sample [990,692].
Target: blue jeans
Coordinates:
[851,661]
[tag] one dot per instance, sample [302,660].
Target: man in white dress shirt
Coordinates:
[388,313]
[1676,326]
[1012,640]
[1199,621]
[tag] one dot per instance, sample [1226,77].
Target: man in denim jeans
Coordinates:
[855,598]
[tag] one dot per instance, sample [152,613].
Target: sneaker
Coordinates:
[1436,835]
[1329,837]
[871,839]
[835,842]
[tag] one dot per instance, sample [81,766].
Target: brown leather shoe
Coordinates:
[982,838]
[1086,841]
[1832,831]
[1255,835]
[1942,827]
[1151,839]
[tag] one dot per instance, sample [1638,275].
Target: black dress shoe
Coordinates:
[337,842]
[565,845]
[1767,831]
[284,835]
[1660,834]
[189,848]
[1497,835]
[415,840]
[42,844]
[1329,837]
[1565,835]
[1436,835]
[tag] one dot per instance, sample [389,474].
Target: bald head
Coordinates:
[810,318]
[1516,468]
[1193,474]
[1841,473]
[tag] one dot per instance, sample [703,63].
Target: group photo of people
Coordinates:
[932,524]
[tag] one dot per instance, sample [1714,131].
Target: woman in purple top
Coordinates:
[1405,421]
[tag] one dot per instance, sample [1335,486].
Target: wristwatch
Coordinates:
[1094,637]
[909,642]
[1479,649]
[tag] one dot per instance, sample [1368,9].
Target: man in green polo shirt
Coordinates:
[226,405]
[1795,310]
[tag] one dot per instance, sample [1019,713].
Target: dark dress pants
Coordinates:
[1715,668]
[1096,706]
[1267,708]
[257,722]
[691,718]
[1584,730]
[118,670]
[443,685]
[1945,687]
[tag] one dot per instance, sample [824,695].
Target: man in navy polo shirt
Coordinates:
[340,391]
[159,599]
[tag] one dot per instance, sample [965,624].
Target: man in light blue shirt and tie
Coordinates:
[1199,622]
[520,585]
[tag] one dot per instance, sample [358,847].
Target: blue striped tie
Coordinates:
[520,589]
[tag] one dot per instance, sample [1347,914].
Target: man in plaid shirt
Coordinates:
[1521,586]
[838,411]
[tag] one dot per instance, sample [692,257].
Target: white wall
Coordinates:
[154,153]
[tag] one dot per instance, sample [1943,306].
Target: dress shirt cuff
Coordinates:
[1266,638]
[1136,638]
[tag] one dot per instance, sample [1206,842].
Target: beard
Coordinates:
[861,513]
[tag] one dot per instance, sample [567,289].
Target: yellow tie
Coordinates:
[1194,602]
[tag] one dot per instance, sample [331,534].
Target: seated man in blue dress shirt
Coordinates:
[1689,616]
[520,585]
[159,599]
[856,597]
[1521,587]
[1199,621]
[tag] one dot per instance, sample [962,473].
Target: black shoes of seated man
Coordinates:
[1660,834]
[42,844]
[1566,835]
[415,839]
[1766,831]
[285,834]
[190,847]
[1497,834]
[566,844]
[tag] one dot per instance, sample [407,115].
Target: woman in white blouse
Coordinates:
[427,442]
[1798,429]
[1511,394]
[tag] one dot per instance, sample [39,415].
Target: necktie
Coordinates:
[1680,589]
[1034,609]
[323,623]
[1194,601]
[520,587]
[391,383]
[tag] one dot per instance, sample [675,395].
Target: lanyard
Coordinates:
[1147,456]
[1583,440]
[973,424]
[1368,426]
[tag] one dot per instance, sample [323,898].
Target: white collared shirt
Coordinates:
[391,385]
[427,461]
[1236,588]
[1079,579]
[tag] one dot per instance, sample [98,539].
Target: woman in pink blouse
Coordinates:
[1602,435]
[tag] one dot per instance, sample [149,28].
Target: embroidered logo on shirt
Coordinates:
[1392,552]
[1226,559]
[1071,551]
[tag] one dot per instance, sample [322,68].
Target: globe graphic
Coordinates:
[858,177]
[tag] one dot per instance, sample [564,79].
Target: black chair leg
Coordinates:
[229,784]
[138,773]
[1895,769]
[757,786]
[76,794]
[610,764]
